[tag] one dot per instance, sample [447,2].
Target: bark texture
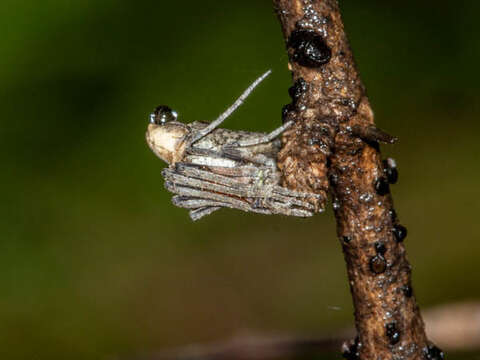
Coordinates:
[333,146]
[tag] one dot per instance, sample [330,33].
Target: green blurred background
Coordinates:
[96,262]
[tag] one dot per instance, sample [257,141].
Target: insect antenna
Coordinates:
[205,131]
[267,138]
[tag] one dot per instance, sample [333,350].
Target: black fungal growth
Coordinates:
[393,214]
[288,113]
[381,186]
[392,333]
[309,48]
[295,91]
[432,352]
[350,350]
[390,170]
[298,89]
[163,114]
[380,248]
[346,239]
[333,178]
[407,290]
[400,232]
[378,264]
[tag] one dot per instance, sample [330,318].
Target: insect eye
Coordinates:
[163,114]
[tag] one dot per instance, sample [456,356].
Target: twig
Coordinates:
[332,145]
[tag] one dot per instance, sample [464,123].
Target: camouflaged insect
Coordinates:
[210,167]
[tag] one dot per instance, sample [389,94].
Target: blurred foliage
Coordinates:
[95,259]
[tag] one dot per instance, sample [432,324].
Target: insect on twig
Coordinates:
[210,167]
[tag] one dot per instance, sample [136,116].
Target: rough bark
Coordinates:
[334,147]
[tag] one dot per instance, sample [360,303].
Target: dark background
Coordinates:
[95,261]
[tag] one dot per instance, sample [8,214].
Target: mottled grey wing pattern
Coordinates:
[217,174]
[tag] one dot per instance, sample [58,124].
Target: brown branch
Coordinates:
[334,145]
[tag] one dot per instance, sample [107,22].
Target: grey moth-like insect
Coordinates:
[211,167]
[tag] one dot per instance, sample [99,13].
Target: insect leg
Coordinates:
[188,202]
[242,176]
[239,153]
[292,193]
[234,202]
[278,208]
[273,198]
[245,186]
[205,131]
[189,197]
[240,182]
[231,188]
[241,171]
[201,212]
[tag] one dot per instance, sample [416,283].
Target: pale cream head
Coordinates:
[165,136]
[167,141]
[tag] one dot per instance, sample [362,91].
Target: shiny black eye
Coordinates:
[162,114]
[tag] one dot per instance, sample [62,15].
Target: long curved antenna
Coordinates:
[207,130]
[267,138]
